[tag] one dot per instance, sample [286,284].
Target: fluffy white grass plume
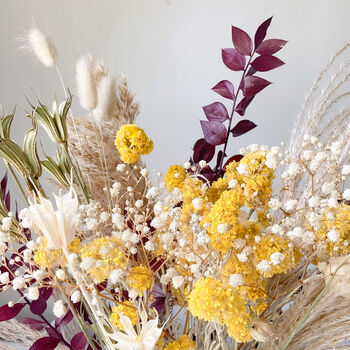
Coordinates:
[106,98]
[86,82]
[42,47]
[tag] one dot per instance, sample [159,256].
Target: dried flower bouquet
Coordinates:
[248,253]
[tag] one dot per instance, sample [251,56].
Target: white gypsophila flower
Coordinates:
[242,257]
[31,245]
[139,203]
[239,243]
[332,202]
[58,227]
[314,201]
[4,278]
[308,237]
[253,147]
[232,183]
[149,246]
[178,281]
[144,172]
[345,170]
[274,203]
[115,276]
[60,274]
[32,293]
[333,236]
[223,228]
[6,223]
[130,340]
[276,258]
[38,274]
[106,97]
[133,293]
[291,204]
[75,297]
[18,283]
[235,280]
[202,163]
[187,165]
[335,148]
[118,220]
[328,187]
[263,266]
[59,308]
[121,167]
[87,263]
[242,169]
[27,255]
[307,155]
[42,47]
[86,82]
[197,203]
[24,216]
[346,194]
[257,239]
[293,170]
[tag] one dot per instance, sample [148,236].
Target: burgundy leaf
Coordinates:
[242,127]
[252,85]
[33,323]
[271,46]
[202,150]
[7,313]
[233,59]
[243,105]
[225,89]
[236,158]
[261,32]
[208,173]
[214,132]
[156,264]
[46,292]
[38,306]
[216,112]
[52,332]
[219,159]
[4,185]
[62,321]
[8,201]
[251,71]
[241,41]
[78,342]
[266,63]
[45,343]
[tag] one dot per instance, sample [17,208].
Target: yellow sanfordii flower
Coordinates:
[127,309]
[140,278]
[183,343]
[131,141]
[175,177]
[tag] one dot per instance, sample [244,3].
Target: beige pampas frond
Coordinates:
[85,141]
[42,47]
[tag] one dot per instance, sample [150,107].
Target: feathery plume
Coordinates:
[106,99]
[86,82]
[42,47]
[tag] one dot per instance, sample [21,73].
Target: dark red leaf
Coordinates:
[4,185]
[266,63]
[214,132]
[78,342]
[45,343]
[270,46]
[8,201]
[33,323]
[233,59]
[251,71]
[216,112]
[225,89]
[202,150]
[241,41]
[219,159]
[261,32]
[242,127]
[38,306]
[236,158]
[46,292]
[243,105]
[52,332]
[62,321]
[7,313]
[252,85]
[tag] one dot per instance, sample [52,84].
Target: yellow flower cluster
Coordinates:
[336,220]
[175,177]
[50,258]
[140,278]
[212,300]
[183,343]
[131,141]
[108,253]
[127,309]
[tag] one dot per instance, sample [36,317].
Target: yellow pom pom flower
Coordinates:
[183,343]
[131,141]
[127,309]
[175,177]
[140,278]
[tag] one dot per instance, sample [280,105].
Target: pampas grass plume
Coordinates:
[106,97]
[42,47]
[86,82]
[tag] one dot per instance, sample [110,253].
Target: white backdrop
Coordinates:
[169,50]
